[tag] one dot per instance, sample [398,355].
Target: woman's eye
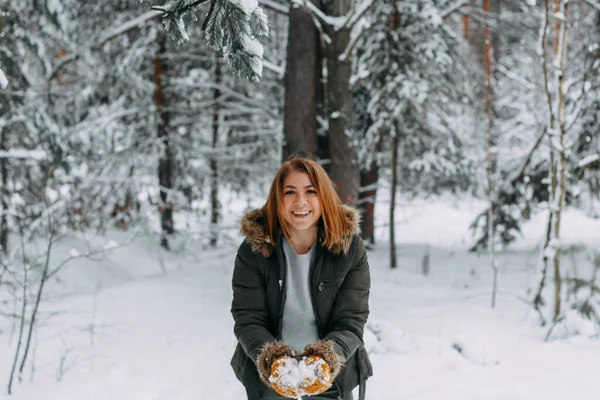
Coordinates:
[311,192]
[288,192]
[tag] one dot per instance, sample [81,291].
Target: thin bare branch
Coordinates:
[182,9]
[274,6]
[593,3]
[527,160]
[348,52]
[355,16]
[453,8]
[126,27]
[38,299]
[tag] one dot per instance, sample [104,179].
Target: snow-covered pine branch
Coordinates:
[232,27]
[3,80]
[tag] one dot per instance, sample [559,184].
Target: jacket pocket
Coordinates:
[328,285]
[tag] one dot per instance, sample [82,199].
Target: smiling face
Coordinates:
[301,204]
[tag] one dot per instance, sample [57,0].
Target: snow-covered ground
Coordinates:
[145,325]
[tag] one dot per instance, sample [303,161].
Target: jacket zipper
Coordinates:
[282,282]
[312,296]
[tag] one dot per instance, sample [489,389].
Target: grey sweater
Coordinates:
[299,322]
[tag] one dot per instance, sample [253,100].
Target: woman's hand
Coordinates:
[326,351]
[269,353]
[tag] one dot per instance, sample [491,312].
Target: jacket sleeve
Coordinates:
[351,308]
[249,306]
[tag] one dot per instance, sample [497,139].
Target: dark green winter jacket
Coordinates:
[339,286]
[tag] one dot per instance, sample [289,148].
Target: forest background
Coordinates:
[122,120]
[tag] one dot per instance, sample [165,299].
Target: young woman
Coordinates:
[301,284]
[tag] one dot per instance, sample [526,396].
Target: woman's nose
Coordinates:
[300,199]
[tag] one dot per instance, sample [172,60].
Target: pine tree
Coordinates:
[406,65]
[231,27]
[409,72]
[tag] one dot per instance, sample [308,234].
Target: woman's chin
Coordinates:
[302,226]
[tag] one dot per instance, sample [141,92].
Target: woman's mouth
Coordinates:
[300,214]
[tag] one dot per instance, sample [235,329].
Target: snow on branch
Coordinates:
[318,17]
[272,5]
[256,106]
[357,32]
[593,3]
[279,70]
[315,11]
[336,23]
[124,28]
[23,154]
[592,158]
[3,80]
[452,8]
[357,14]
[127,26]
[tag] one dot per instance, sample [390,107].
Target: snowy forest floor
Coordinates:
[142,324]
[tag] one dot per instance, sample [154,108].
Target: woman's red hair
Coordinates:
[333,218]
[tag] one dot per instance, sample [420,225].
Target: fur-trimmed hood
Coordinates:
[252,226]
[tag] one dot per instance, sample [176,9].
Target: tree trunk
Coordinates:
[344,169]
[368,192]
[466,22]
[4,109]
[321,100]
[557,158]
[393,201]
[562,35]
[490,148]
[214,172]
[542,269]
[4,192]
[555,10]
[301,82]
[369,167]
[369,179]
[165,163]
